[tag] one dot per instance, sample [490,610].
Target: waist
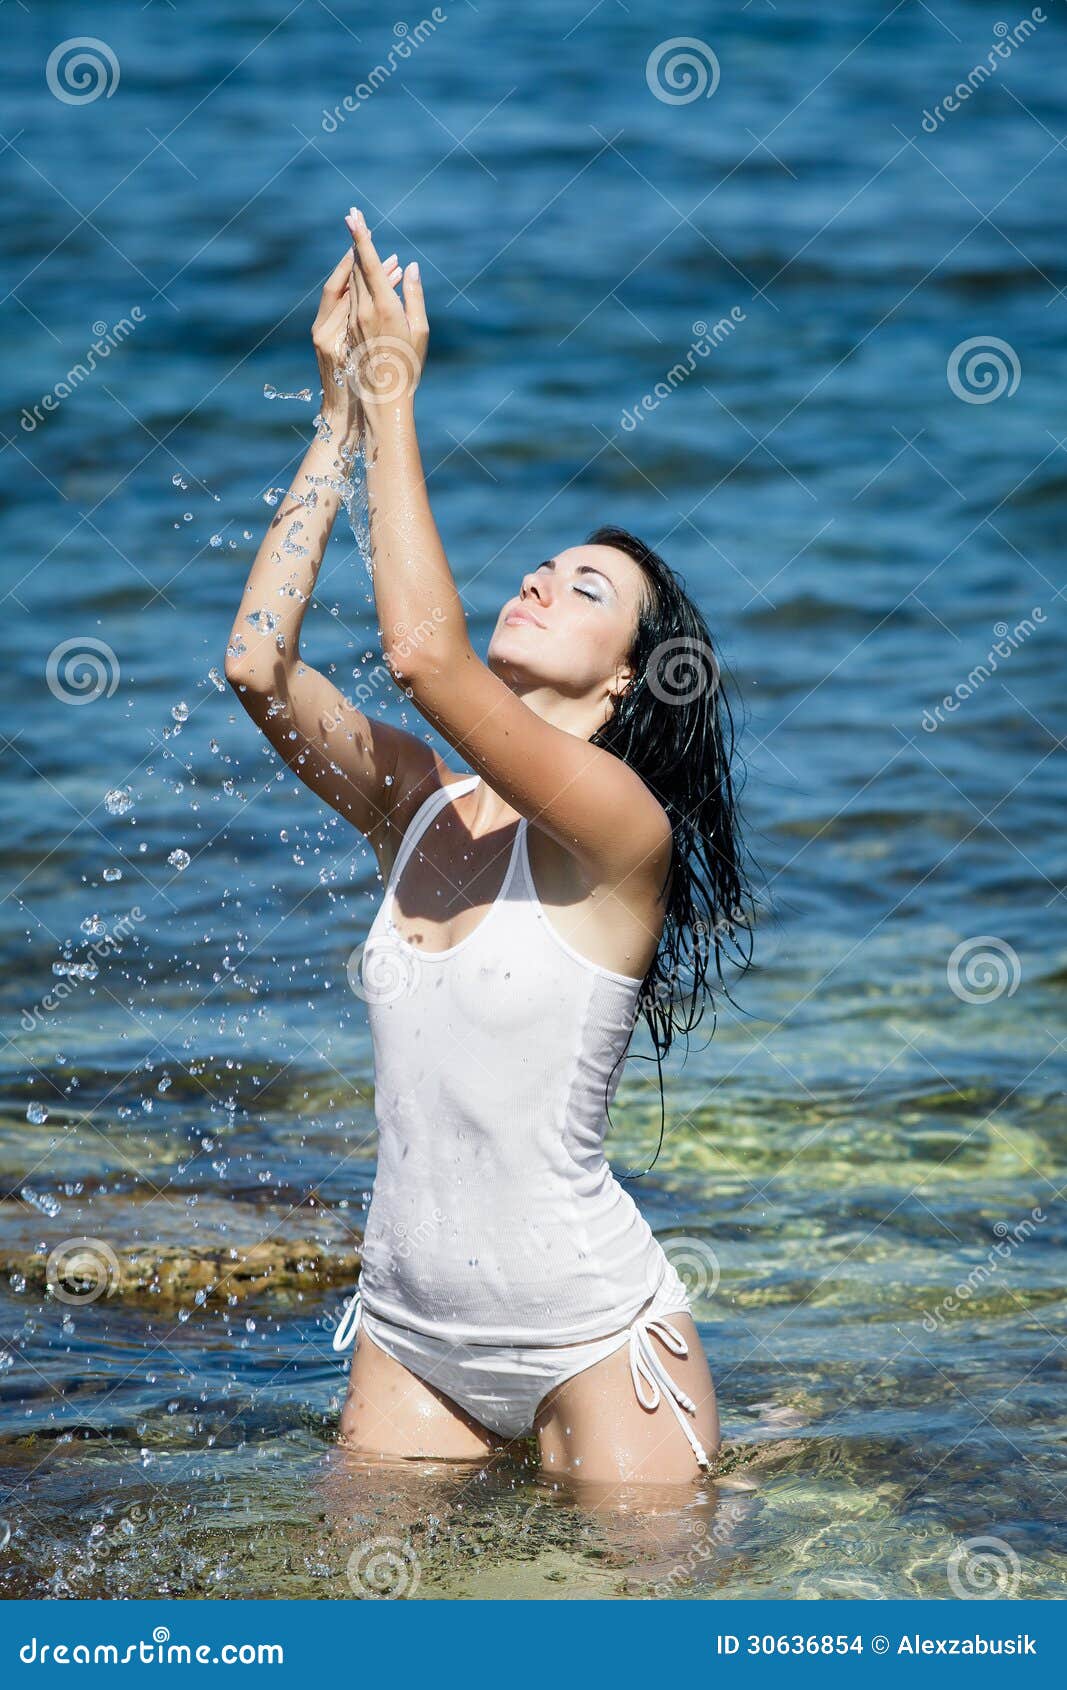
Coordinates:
[509,1273]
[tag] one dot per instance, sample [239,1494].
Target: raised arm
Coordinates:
[346,757]
[575,791]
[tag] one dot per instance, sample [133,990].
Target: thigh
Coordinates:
[390,1412]
[593,1427]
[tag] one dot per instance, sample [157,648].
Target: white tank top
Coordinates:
[495,1217]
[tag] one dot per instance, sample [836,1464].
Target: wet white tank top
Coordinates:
[495,1217]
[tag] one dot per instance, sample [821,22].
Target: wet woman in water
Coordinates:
[535,908]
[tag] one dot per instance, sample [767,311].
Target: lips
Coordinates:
[523,616]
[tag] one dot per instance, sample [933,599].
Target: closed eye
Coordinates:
[587,595]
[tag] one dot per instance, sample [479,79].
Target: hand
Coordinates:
[341,407]
[389,339]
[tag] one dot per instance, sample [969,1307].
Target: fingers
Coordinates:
[335,287]
[415,309]
[335,321]
[370,265]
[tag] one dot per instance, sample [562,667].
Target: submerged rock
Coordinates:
[97,1249]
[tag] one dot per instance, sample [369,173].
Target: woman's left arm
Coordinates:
[575,791]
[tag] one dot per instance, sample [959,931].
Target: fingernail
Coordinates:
[413,270]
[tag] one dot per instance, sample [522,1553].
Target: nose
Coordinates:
[533,586]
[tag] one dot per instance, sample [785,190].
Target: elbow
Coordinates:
[237,672]
[246,671]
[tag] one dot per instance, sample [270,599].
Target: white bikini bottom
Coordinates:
[502,1386]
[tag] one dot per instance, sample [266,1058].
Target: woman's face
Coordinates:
[572,624]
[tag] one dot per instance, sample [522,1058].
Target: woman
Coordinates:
[533,910]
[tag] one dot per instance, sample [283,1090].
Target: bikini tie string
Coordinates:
[346,1329]
[646,1368]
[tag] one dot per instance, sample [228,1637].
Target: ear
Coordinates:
[624,676]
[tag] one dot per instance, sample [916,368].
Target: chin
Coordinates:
[510,657]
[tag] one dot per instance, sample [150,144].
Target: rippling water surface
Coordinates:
[862,1171]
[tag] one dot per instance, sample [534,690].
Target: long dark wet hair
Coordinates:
[674,725]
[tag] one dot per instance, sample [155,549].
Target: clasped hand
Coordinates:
[371,347]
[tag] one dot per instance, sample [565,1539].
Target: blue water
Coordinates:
[854,1145]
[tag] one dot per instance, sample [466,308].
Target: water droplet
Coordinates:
[118,800]
[179,859]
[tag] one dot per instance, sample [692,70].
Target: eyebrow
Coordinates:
[583,569]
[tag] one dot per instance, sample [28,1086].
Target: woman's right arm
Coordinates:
[349,759]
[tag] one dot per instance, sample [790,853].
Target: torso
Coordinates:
[498,1046]
[449,884]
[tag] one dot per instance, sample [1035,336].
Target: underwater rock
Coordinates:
[98,1250]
